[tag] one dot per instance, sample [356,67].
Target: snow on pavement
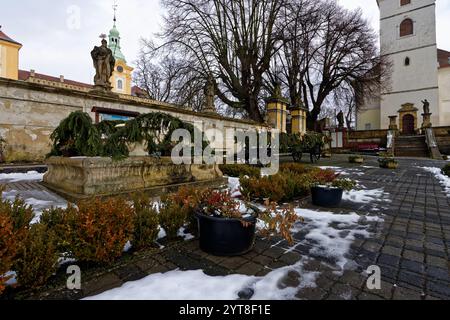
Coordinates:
[39,199]
[196,285]
[443,179]
[366,196]
[343,172]
[330,235]
[18,177]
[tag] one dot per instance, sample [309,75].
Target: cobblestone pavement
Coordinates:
[410,245]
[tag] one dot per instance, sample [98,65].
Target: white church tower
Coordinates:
[408,40]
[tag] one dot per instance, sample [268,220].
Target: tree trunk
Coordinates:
[253,110]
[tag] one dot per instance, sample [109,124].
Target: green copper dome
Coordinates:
[114,44]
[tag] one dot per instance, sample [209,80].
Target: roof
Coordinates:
[4,37]
[138,92]
[24,75]
[443,58]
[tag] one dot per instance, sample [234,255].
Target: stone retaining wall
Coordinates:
[29,112]
[442,135]
[378,137]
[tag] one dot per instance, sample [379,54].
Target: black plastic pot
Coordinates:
[326,197]
[225,237]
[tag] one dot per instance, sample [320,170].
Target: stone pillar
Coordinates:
[277,110]
[298,114]
[426,121]
[393,123]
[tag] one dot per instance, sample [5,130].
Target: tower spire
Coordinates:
[115,5]
[114,37]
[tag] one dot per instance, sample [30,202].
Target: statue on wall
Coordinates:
[426,106]
[340,119]
[104,63]
[209,92]
[321,125]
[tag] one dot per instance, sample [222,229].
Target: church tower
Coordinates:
[121,78]
[408,40]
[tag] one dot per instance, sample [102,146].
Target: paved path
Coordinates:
[410,245]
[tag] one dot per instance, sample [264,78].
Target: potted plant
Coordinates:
[358,159]
[387,161]
[227,227]
[330,194]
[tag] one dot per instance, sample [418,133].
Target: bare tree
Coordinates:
[326,47]
[234,40]
[168,77]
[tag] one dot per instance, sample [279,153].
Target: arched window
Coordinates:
[404,2]
[406,28]
[407,61]
[119,84]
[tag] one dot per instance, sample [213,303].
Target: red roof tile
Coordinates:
[4,37]
[24,75]
[138,92]
[443,58]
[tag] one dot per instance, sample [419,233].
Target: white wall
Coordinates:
[392,7]
[392,103]
[419,80]
[444,95]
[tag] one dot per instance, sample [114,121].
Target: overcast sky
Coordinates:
[57,42]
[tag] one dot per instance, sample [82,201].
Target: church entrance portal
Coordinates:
[408,124]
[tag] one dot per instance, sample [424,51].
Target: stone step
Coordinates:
[411,146]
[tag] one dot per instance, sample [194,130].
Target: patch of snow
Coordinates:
[127,247]
[330,235]
[162,233]
[186,236]
[17,177]
[443,179]
[235,187]
[11,281]
[65,259]
[343,172]
[330,168]
[366,196]
[196,285]
[179,285]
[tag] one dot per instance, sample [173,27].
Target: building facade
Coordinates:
[408,41]
[9,57]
